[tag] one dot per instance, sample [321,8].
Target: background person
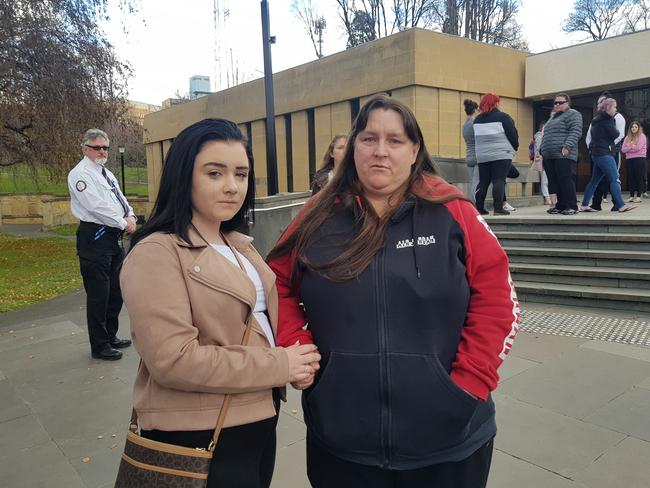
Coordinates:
[560,152]
[408,296]
[550,198]
[497,142]
[104,213]
[331,162]
[635,148]
[188,300]
[603,134]
[467,129]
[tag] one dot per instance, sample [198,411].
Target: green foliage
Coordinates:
[36,269]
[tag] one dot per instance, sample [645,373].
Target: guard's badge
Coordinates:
[81,185]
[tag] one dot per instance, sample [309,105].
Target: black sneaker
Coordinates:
[501,212]
[553,211]
[482,211]
[569,211]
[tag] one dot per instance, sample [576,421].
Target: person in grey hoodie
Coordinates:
[560,152]
[471,110]
[496,142]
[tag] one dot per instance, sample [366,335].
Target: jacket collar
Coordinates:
[236,239]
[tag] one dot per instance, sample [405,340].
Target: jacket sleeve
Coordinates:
[574,130]
[493,315]
[291,315]
[160,311]
[627,145]
[620,127]
[588,136]
[95,203]
[511,131]
[643,145]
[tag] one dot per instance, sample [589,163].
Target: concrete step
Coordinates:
[576,240]
[555,225]
[582,275]
[579,257]
[584,296]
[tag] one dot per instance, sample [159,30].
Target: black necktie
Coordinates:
[125,207]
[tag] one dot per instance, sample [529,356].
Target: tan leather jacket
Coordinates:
[188,306]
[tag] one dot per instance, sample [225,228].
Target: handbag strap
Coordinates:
[225,406]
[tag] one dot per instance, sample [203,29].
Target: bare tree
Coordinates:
[58,77]
[413,13]
[491,21]
[598,18]
[313,23]
[364,21]
[638,17]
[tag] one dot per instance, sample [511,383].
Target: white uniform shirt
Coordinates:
[260,303]
[92,198]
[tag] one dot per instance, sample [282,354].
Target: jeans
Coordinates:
[604,167]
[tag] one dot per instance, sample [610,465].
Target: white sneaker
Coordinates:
[631,199]
[508,207]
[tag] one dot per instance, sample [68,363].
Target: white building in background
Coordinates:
[199,86]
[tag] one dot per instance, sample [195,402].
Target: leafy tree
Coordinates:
[58,77]
[598,18]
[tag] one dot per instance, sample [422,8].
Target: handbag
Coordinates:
[147,463]
[513,172]
[537,164]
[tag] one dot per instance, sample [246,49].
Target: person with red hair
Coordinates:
[497,142]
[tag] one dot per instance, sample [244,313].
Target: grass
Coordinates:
[21,179]
[64,230]
[35,269]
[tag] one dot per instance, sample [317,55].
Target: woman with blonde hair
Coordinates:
[331,161]
[635,148]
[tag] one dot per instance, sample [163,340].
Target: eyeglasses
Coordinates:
[559,102]
[98,148]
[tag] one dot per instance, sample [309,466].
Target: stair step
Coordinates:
[580,271]
[584,296]
[575,236]
[579,257]
[563,225]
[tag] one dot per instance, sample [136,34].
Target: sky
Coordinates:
[168,41]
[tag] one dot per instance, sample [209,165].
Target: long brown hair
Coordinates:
[346,189]
[634,137]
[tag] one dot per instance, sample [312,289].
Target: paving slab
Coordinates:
[550,440]
[511,472]
[542,347]
[11,405]
[37,334]
[624,350]
[514,365]
[628,413]
[291,466]
[644,384]
[576,384]
[625,466]
[40,466]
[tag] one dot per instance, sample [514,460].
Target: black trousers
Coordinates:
[244,456]
[328,471]
[636,168]
[100,260]
[492,172]
[562,172]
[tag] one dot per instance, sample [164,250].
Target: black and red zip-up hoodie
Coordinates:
[430,319]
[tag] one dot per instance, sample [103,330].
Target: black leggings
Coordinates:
[492,172]
[326,471]
[244,456]
[636,168]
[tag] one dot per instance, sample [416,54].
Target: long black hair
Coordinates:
[172,212]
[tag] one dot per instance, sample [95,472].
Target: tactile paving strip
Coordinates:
[624,331]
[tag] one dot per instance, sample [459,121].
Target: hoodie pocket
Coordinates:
[429,412]
[343,409]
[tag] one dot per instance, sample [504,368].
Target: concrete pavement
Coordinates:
[573,412]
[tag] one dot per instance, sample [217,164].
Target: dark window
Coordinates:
[289,146]
[311,143]
[354,108]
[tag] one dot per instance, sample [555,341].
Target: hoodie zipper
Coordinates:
[384,367]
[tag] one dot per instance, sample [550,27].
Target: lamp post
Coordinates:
[271,152]
[121,148]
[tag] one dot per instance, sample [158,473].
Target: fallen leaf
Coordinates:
[294,411]
[85,459]
[113,446]
[100,436]
[113,435]
[101,377]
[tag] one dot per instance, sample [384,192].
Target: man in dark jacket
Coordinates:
[560,152]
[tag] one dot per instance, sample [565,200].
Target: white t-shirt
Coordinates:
[260,303]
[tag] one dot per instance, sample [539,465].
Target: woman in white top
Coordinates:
[190,282]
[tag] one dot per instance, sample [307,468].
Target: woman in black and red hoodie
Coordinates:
[407,294]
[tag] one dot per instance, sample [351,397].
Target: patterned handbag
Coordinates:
[147,463]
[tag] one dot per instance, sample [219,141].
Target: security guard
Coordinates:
[98,202]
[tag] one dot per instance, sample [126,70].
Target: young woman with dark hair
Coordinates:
[331,161]
[190,281]
[467,129]
[407,294]
[497,142]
